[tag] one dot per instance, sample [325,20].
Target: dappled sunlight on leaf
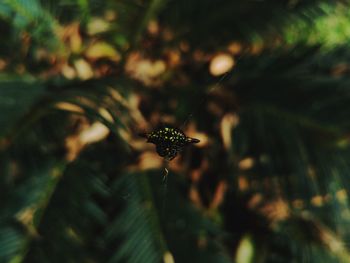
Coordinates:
[69,107]
[26,217]
[106,114]
[153,28]
[276,210]
[173,58]
[317,200]
[168,257]
[246,163]
[75,40]
[342,195]
[96,132]
[228,122]
[83,68]
[149,160]
[87,134]
[68,72]
[245,250]
[235,48]
[102,50]
[97,26]
[145,70]
[221,64]
[243,183]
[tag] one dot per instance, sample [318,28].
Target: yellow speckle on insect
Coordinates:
[166,129]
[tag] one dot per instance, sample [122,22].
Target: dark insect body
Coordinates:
[169,141]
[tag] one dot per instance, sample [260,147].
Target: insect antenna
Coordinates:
[192,140]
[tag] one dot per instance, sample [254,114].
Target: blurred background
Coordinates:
[265,86]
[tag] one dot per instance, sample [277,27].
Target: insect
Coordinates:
[169,141]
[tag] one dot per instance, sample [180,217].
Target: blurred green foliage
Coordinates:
[79,79]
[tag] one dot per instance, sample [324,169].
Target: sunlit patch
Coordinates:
[173,58]
[102,50]
[145,70]
[153,27]
[66,106]
[235,48]
[83,69]
[68,72]
[243,183]
[26,217]
[221,64]
[245,250]
[71,35]
[88,134]
[97,25]
[228,122]
[329,238]
[105,114]
[246,163]
[342,195]
[275,210]
[149,160]
[168,257]
[317,201]
[95,133]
